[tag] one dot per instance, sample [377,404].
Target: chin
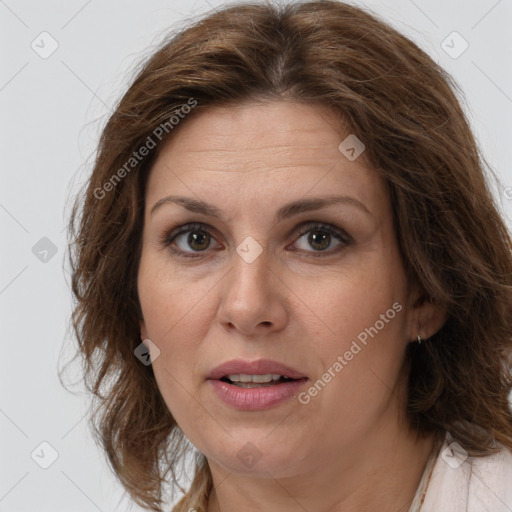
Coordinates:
[254,454]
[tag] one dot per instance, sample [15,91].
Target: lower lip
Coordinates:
[256,399]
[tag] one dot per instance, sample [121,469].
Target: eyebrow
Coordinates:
[285,212]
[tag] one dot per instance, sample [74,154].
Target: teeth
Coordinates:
[243,377]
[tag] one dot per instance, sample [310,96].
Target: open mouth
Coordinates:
[265,384]
[256,381]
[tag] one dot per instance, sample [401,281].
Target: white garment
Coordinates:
[466,484]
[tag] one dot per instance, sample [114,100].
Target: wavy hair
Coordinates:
[405,108]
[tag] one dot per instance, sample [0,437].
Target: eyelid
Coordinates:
[341,235]
[329,228]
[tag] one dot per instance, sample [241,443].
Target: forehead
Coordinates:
[278,149]
[293,128]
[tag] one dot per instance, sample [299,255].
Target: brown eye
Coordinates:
[320,237]
[189,239]
[319,240]
[199,241]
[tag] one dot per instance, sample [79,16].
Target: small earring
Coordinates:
[419,339]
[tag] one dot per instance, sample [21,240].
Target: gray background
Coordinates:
[52,111]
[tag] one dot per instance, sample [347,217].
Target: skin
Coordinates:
[350,447]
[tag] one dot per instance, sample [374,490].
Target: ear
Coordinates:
[425,317]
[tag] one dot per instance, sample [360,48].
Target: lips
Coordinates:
[258,367]
[236,383]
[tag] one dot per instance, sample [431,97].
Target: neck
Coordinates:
[374,475]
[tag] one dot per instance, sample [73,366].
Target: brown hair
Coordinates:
[403,106]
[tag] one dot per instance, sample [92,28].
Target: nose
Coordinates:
[253,298]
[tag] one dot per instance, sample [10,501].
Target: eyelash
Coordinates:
[169,237]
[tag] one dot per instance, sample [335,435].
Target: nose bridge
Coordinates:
[249,296]
[250,266]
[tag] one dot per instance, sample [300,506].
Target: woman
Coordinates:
[289,256]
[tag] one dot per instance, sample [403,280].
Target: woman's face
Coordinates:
[272,269]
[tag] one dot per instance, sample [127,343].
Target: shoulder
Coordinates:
[490,484]
[469,484]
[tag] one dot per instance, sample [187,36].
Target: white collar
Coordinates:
[459,483]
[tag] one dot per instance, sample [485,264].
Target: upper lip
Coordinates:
[258,367]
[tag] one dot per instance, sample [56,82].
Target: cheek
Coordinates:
[181,396]
[173,324]
[176,321]
[364,343]
[361,364]
[172,303]
[349,301]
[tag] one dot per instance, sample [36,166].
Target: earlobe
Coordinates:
[427,318]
